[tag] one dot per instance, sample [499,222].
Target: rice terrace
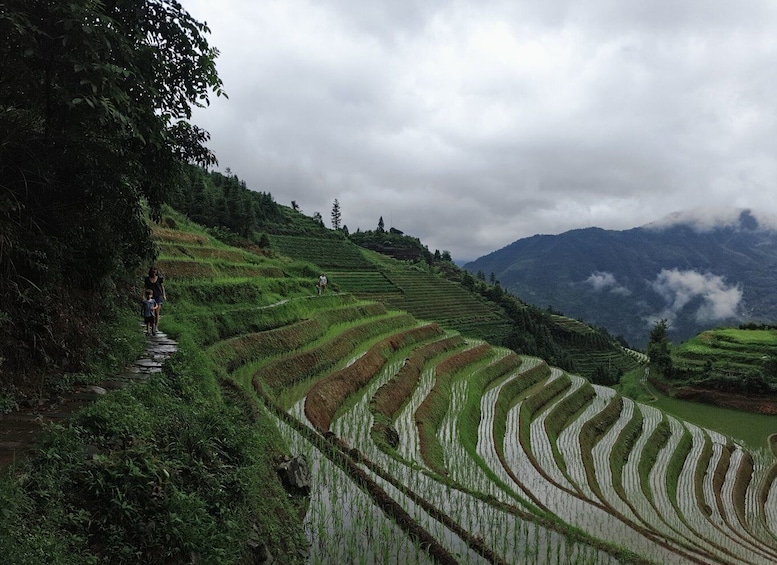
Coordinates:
[427,444]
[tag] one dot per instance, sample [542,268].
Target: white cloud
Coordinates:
[719,300]
[602,281]
[507,118]
[704,219]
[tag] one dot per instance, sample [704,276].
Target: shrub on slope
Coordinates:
[167,471]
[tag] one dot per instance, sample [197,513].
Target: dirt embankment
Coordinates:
[754,403]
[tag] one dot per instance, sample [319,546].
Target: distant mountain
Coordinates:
[697,269]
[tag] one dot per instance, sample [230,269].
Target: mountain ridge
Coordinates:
[696,269]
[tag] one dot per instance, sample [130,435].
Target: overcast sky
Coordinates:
[473,124]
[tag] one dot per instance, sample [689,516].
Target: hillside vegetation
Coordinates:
[619,279]
[732,359]
[726,367]
[440,419]
[433,445]
[473,451]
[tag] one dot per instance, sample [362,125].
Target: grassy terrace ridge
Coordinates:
[370,275]
[586,348]
[325,252]
[726,351]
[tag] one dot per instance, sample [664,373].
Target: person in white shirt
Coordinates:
[321,286]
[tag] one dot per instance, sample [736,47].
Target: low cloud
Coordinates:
[719,300]
[602,281]
[706,219]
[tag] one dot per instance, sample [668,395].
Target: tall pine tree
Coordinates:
[336,215]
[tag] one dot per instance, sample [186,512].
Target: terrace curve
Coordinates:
[496,457]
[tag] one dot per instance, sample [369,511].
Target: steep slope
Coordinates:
[445,294]
[429,446]
[371,275]
[695,274]
[403,274]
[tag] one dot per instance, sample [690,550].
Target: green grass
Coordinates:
[153,473]
[726,351]
[326,253]
[631,386]
[425,295]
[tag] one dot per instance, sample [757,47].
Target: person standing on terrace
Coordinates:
[321,286]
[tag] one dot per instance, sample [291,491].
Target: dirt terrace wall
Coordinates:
[326,396]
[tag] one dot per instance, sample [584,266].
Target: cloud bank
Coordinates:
[474,124]
[718,300]
[705,219]
[604,281]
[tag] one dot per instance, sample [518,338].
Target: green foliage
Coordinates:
[461,302]
[681,453]
[23,540]
[162,472]
[431,412]
[325,252]
[393,243]
[749,428]
[336,215]
[225,204]
[655,443]
[739,360]
[623,447]
[510,394]
[327,353]
[659,349]
[94,103]
[631,386]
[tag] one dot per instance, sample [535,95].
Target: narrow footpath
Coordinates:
[21,430]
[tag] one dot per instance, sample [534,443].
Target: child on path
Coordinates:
[149,309]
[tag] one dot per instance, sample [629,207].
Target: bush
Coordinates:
[160,472]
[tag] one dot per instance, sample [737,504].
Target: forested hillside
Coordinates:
[95,101]
[695,277]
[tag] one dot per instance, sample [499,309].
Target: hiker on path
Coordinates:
[156,283]
[321,286]
[149,309]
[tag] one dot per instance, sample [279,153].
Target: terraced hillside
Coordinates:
[590,351]
[369,275]
[735,353]
[430,446]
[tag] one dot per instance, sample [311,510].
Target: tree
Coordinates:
[95,102]
[381,225]
[294,206]
[659,349]
[318,218]
[336,215]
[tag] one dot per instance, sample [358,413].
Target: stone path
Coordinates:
[21,430]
